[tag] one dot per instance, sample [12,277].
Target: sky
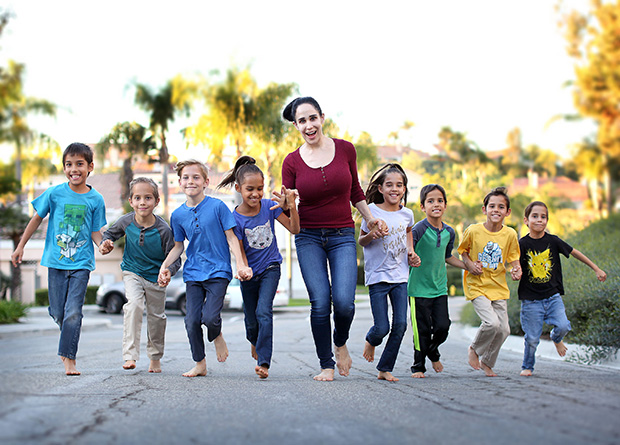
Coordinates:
[482,67]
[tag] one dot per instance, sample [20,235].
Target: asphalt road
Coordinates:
[563,403]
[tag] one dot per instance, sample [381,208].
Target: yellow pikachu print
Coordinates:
[540,266]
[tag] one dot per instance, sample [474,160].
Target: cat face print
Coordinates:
[260,237]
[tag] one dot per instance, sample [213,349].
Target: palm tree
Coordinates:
[163,106]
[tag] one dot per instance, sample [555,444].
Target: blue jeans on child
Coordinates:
[204,302]
[533,313]
[379,293]
[67,290]
[318,249]
[258,294]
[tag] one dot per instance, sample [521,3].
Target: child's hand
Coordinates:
[601,275]
[16,256]
[414,259]
[515,273]
[475,267]
[106,247]
[164,277]
[244,274]
[285,198]
[380,225]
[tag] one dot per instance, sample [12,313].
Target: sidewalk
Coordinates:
[38,321]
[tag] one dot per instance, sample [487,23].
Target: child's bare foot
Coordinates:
[343,360]
[199,370]
[561,348]
[253,352]
[129,364]
[418,375]
[221,350]
[385,375]
[262,371]
[155,366]
[69,366]
[526,372]
[369,352]
[437,366]
[473,359]
[326,375]
[487,370]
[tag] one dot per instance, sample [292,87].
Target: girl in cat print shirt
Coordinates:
[255,218]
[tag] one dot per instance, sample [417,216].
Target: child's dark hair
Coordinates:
[291,108]
[245,165]
[497,191]
[143,180]
[78,149]
[373,195]
[533,204]
[429,188]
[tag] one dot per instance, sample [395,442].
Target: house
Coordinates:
[559,187]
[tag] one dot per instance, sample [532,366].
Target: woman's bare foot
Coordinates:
[343,360]
[561,348]
[473,359]
[199,370]
[385,375]
[437,366]
[487,370]
[253,352]
[526,372]
[69,366]
[369,352]
[418,375]
[155,366]
[326,375]
[221,350]
[262,371]
[129,364]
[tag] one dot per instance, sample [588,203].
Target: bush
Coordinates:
[593,308]
[41,297]
[12,311]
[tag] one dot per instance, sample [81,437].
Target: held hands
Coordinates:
[414,259]
[380,225]
[244,274]
[106,247]
[285,198]
[474,267]
[515,273]
[164,276]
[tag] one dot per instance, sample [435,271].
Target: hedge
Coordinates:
[41,298]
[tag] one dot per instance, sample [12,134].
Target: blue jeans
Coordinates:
[318,250]
[204,302]
[533,314]
[379,293]
[67,290]
[258,294]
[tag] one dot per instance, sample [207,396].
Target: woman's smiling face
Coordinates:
[309,123]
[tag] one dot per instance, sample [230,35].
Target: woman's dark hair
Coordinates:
[497,191]
[78,149]
[291,108]
[245,165]
[373,195]
[429,188]
[531,205]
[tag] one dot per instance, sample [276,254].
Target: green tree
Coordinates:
[594,43]
[163,106]
[133,139]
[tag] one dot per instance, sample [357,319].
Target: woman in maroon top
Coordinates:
[324,172]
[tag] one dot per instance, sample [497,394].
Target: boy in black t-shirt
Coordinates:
[541,288]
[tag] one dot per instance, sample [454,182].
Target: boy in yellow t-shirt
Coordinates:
[485,248]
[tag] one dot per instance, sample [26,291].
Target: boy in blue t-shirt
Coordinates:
[207,224]
[148,240]
[77,214]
